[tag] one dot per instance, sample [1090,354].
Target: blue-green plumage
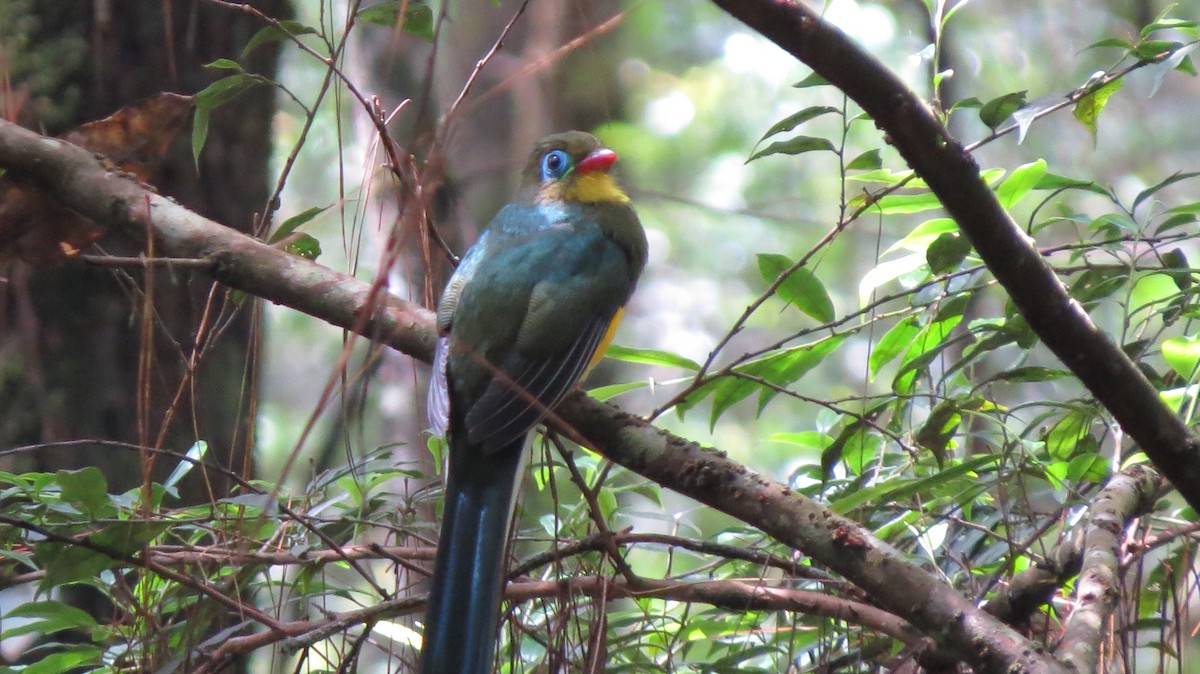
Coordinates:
[521,319]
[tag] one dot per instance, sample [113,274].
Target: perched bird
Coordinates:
[530,309]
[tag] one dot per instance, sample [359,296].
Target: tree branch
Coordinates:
[74,177]
[1130,492]
[888,576]
[728,595]
[1133,492]
[952,175]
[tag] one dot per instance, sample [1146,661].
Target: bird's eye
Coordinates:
[555,165]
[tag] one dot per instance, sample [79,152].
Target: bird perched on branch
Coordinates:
[530,309]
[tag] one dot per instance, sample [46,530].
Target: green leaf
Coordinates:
[794,146]
[861,450]
[1114,42]
[1152,291]
[996,111]
[1088,467]
[867,161]
[928,344]
[887,177]
[651,357]
[730,391]
[1065,436]
[1030,373]
[807,439]
[1187,67]
[196,453]
[947,252]
[1114,225]
[903,489]
[1174,178]
[613,390]
[813,80]
[989,334]
[210,98]
[796,119]
[941,75]
[1177,398]
[1149,50]
[225,64]
[924,234]
[1180,60]
[1176,260]
[789,366]
[893,204]
[939,429]
[304,245]
[887,271]
[1018,183]
[952,11]
[286,28]
[780,368]
[892,344]
[86,488]
[129,536]
[1087,110]
[1051,181]
[68,563]
[73,658]
[296,221]
[801,288]
[1163,23]
[1096,284]
[418,18]
[1183,355]
[47,617]
[1173,221]
[969,103]
[849,438]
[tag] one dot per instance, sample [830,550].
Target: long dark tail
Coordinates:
[468,577]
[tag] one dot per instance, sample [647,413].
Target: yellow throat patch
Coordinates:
[588,188]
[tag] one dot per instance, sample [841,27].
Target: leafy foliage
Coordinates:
[908,394]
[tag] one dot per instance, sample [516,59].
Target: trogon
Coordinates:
[529,310]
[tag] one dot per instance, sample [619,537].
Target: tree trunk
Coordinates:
[70,337]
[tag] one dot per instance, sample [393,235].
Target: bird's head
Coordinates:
[571,166]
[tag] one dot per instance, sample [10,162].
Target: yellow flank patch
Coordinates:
[591,188]
[608,338]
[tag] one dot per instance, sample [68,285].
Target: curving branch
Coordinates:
[728,595]
[78,180]
[1129,493]
[952,175]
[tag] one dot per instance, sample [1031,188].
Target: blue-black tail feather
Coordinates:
[468,577]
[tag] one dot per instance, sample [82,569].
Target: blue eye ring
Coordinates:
[555,164]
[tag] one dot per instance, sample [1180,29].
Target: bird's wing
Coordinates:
[561,283]
[526,388]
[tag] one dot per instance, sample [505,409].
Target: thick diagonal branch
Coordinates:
[1009,254]
[78,180]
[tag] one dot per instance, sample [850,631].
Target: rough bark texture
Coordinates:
[1130,493]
